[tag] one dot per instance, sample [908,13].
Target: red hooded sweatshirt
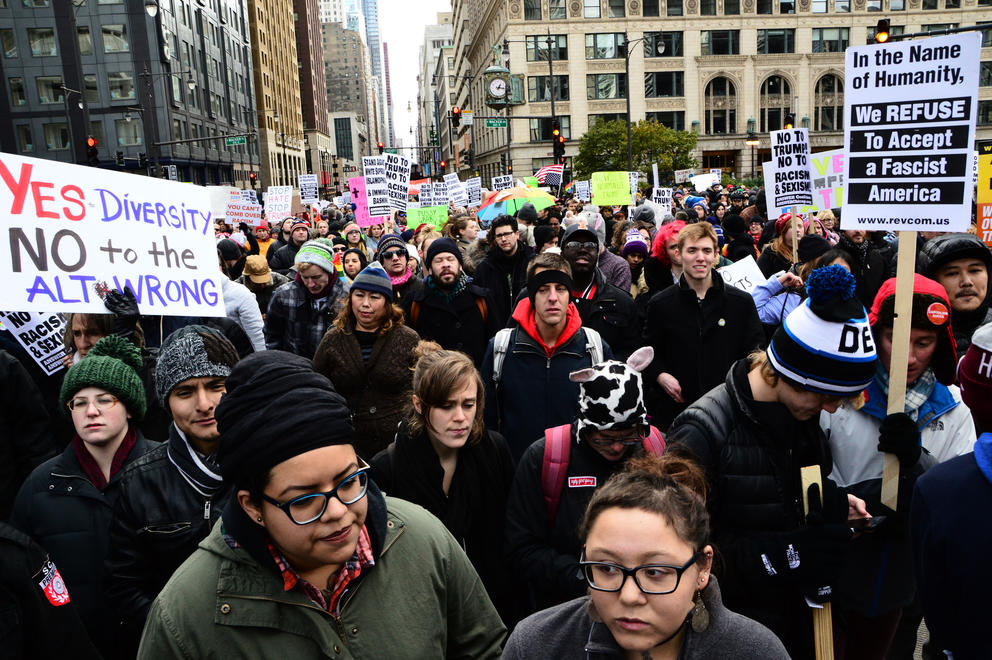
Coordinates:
[524,315]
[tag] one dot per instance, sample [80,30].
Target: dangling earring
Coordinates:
[700,615]
[259,518]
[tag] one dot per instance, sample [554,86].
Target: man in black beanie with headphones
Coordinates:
[310,559]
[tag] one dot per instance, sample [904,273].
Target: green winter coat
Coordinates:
[422,599]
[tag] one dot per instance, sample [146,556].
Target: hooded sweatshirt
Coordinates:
[524,315]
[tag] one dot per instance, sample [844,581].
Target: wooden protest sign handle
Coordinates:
[823,625]
[795,241]
[899,361]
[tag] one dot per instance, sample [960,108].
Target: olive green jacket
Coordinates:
[422,599]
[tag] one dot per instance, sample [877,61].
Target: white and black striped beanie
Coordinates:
[825,344]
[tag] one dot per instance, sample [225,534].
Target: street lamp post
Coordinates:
[751,141]
[147,73]
[627,43]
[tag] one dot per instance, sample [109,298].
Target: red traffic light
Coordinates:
[561,139]
[442,164]
[91,142]
[456,110]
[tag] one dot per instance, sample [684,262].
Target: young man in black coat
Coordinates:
[504,270]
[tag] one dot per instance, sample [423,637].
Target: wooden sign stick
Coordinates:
[795,241]
[899,361]
[823,626]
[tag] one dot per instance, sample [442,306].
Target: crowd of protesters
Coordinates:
[559,433]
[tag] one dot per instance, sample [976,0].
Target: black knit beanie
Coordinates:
[276,407]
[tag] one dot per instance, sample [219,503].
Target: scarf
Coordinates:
[916,394]
[92,469]
[448,296]
[401,279]
[860,250]
[202,475]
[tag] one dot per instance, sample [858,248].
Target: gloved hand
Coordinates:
[899,435]
[815,553]
[243,227]
[125,307]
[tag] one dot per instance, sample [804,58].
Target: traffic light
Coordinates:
[509,169]
[92,154]
[561,149]
[456,116]
[790,122]
[555,130]
[252,177]
[443,164]
[142,160]
[120,159]
[882,31]
[381,146]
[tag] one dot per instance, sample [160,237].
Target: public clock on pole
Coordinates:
[497,88]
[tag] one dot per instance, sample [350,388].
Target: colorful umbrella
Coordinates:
[509,201]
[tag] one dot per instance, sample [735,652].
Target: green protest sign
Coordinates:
[432,215]
[611,188]
[531,181]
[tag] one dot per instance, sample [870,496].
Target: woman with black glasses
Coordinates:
[310,559]
[646,560]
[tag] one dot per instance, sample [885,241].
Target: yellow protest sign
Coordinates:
[611,188]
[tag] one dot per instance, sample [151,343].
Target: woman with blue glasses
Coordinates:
[647,562]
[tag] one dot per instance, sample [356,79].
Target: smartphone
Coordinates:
[866,524]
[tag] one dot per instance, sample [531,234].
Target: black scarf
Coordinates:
[203,475]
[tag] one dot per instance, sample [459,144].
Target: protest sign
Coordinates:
[828,182]
[717,172]
[791,180]
[502,182]
[984,196]
[415,185]
[346,196]
[426,196]
[40,335]
[356,186]
[376,192]
[456,190]
[531,182]
[397,180]
[654,174]
[700,182]
[239,210]
[743,274]
[681,176]
[440,194]
[609,188]
[249,196]
[910,110]
[583,192]
[432,215]
[633,187]
[662,197]
[279,202]
[308,188]
[473,187]
[73,230]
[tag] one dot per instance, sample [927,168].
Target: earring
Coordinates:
[259,519]
[700,615]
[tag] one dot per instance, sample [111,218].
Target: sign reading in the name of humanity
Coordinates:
[791,179]
[397,180]
[278,201]
[308,189]
[74,231]
[609,188]
[376,191]
[473,187]
[40,335]
[909,126]
[503,182]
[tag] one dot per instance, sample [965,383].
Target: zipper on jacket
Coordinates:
[206,510]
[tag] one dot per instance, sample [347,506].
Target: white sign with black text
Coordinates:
[791,177]
[308,189]
[376,191]
[503,182]
[397,180]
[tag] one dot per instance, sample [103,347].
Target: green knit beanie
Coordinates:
[112,365]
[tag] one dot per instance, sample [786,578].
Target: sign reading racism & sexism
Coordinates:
[791,180]
[397,180]
[40,335]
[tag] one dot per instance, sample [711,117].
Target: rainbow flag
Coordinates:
[569,188]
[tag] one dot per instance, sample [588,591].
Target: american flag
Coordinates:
[550,175]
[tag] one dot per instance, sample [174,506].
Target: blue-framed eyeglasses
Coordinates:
[305,509]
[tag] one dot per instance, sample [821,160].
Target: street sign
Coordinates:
[467,118]
[393,151]
[235,141]
[496,123]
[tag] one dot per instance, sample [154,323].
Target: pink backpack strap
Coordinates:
[654,443]
[554,467]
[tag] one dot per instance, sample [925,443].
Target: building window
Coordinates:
[937,27]
[662,44]
[776,100]
[952,4]
[606,86]
[115,39]
[121,85]
[830,40]
[842,6]
[721,107]
[540,128]
[776,41]
[764,6]
[539,89]
[604,46]
[731,7]
[177,129]
[788,6]
[128,133]
[606,117]
[85,40]
[984,113]
[897,5]
[18,96]
[929,5]
[57,137]
[819,6]
[720,42]
[42,42]
[663,83]
[650,8]
[893,30]
[532,10]
[35,3]
[25,144]
[538,163]
[49,89]
[673,119]
[707,7]
[674,7]
[985,74]
[829,104]
[9,42]
[90,88]
[537,48]
[617,8]
[556,10]
[591,9]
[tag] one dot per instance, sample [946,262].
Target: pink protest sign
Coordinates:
[357,187]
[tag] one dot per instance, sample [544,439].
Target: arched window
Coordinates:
[776,101]
[829,104]
[721,107]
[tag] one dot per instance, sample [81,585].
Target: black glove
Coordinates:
[815,553]
[243,227]
[899,435]
[125,307]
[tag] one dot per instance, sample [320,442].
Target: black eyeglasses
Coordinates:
[636,437]
[305,509]
[579,245]
[649,578]
[394,254]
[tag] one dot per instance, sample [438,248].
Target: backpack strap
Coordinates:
[554,467]
[501,343]
[594,345]
[414,313]
[480,302]
[654,443]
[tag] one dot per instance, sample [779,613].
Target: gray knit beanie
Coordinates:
[193,351]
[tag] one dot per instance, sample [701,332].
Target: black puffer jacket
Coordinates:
[504,277]
[284,258]
[158,521]
[752,453]
[64,512]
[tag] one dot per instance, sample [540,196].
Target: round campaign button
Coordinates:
[937,313]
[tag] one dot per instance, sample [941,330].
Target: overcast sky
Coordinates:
[403,23]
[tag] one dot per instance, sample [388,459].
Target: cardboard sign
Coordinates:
[791,180]
[308,189]
[609,188]
[662,197]
[984,196]
[376,190]
[72,230]
[681,176]
[456,189]
[279,201]
[743,274]
[432,215]
[503,182]
[426,196]
[583,191]
[397,181]
[909,126]
[239,210]
[40,335]
[356,186]
[473,187]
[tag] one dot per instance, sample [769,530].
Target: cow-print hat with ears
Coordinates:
[611,395]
